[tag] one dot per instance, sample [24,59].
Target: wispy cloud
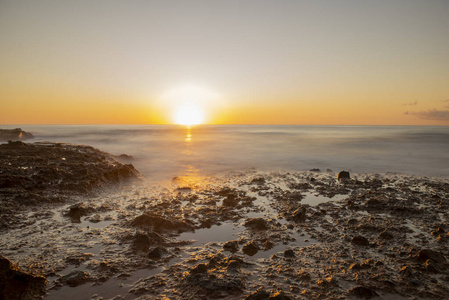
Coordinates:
[431,114]
[410,103]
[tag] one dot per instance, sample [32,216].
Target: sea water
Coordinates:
[162,152]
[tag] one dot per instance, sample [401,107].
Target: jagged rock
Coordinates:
[343,175]
[157,253]
[79,210]
[231,201]
[161,224]
[250,249]
[257,224]
[360,241]
[201,268]
[16,284]
[76,278]
[14,135]
[259,181]
[232,246]
[426,254]
[299,215]
[289,253]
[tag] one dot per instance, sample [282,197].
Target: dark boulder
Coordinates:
[343,175]
[250,249]
[299,215]
[257,224]
[76,278]
[16,284]
[360,241]
[14,135]
[157,253]
[426,254]
[79,210]
[160,224]
[232,246]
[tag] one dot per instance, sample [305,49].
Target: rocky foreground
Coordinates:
[249,235]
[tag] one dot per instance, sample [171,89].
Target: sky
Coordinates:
[346,62]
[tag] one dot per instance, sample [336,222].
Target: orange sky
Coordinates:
[256,62]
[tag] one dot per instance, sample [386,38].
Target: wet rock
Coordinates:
[16,284]
[217,283]
[231,201]
[343,175]
[157,253]
[250,249]
[75,278]
[232,246]
[374,204]
[141,242]
[259,181]
[425,254]
[299,215]
[289,253]
[363,292]
[257,224]
[160,224]
[14,135]
[201,268]
[79,210]
[359,240]
[385,235]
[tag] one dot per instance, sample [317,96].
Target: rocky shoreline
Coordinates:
[247,235]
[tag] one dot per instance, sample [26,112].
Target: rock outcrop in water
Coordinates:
[38,173]
[16,284]
[14,135]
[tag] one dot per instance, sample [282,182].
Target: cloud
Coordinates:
[431,114]
[410,103]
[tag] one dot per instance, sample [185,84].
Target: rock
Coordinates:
[343,175]
[157,253]
[360,241]
[299,215]
[256,224]
[231,201]
[160,224]
[201,268]
[385,235]
[315,170]
[232,246]
[14,135]
[289,253]
[79,210]
[363,292]
[259,181]
[141,242]
[75,278]
[16,284]
[426,254]
[250,249]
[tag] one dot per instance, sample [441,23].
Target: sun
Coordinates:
[189,105]
[188,115]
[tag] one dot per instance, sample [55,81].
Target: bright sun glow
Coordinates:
[190,104]
[188,115]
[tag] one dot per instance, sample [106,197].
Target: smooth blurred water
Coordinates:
[165,151]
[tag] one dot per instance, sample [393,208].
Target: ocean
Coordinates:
[162,152]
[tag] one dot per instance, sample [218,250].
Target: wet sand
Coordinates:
[244,235]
